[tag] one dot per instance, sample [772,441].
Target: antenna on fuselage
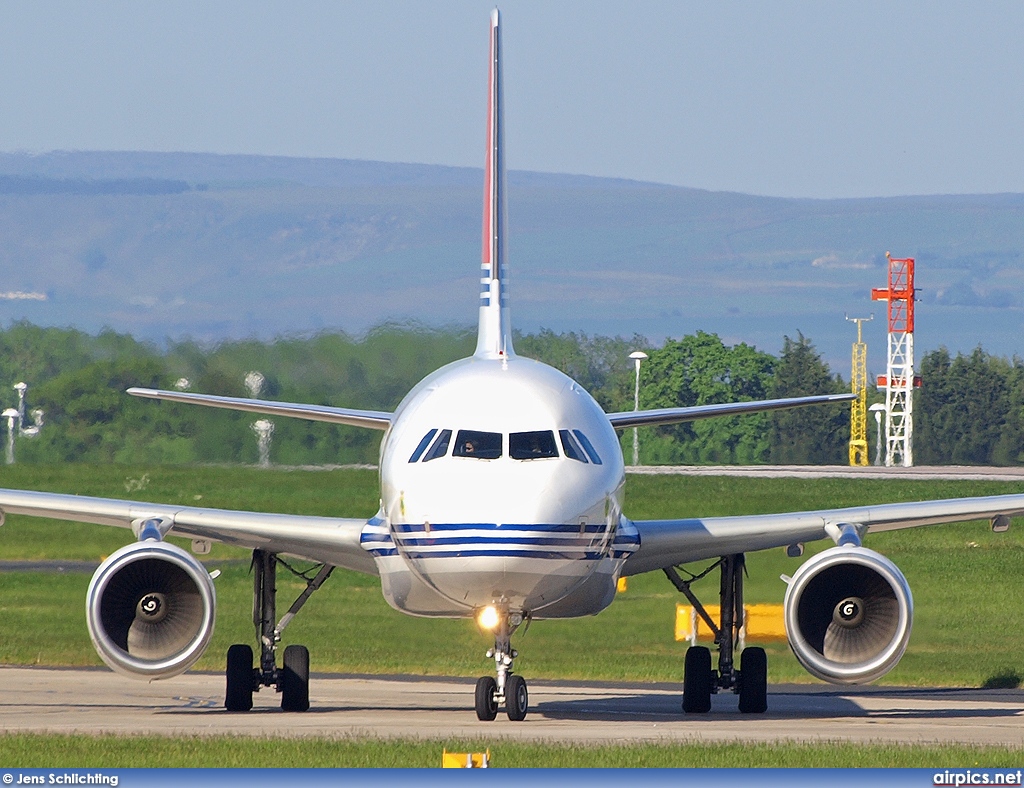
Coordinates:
[494,337]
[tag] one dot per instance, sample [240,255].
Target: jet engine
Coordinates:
[848,613]
[150,610]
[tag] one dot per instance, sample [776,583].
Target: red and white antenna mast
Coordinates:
[899,380]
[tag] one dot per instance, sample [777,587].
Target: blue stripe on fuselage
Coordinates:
[401,528]
[545,555]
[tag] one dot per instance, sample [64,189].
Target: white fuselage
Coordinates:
[501,484]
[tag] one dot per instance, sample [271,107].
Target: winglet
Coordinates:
[494,337]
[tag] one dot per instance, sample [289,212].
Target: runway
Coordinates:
[98,701]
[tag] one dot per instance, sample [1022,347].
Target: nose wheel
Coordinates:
[486,698]
[506,689]
[517,699]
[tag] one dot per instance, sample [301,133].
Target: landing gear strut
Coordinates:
[508,689]
[292,679]
[750,681]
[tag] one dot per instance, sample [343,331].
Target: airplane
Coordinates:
[501,499]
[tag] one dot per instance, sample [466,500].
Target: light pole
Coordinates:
[254,383]
[878,409]
[37,423]
[37,414]
[11,414]
[264,428]
[21,388]
[637,357]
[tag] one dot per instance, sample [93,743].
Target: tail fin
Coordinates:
[494,337]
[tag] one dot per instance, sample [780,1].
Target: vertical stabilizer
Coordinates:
[494,339]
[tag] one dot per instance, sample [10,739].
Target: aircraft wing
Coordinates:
[665,543]
[330,540]
[647,418]
[374,419]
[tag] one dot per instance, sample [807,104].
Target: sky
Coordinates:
[795,99]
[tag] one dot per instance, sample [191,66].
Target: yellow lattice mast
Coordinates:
[859,407]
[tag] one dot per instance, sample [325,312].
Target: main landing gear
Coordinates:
[508,689]
[292,678]
[750,681]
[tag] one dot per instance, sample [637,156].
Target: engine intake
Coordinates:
[848,613]
[150,610]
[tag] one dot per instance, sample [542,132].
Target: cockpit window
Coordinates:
[570,447]
[440,446]
[532,445]
[588,447]
[422,445]
[479,445]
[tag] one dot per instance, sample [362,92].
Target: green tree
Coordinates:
[700,369]
[88,416]
[814,435]
[969,410]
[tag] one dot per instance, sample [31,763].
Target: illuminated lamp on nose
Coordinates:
[488,618]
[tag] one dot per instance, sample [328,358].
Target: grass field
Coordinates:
[26,751]
[969,621]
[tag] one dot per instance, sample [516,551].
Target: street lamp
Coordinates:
[254,383]
[637,357]
[21,388]
[37,415]
[11,414]
[264,428]
[878,409]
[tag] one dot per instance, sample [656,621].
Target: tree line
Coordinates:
[969,411]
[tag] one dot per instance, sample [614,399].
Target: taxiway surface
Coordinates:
[97,701]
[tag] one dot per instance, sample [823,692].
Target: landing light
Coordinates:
[488,618]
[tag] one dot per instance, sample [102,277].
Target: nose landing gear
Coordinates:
[507,689]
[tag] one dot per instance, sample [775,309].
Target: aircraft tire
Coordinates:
[697,681]
[517,699]
[238,695]
[486,705]
[295,679]
[753,681]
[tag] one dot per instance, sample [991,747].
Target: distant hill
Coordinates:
[180,244]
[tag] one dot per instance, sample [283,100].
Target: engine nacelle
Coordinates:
[150,610]
[849,613]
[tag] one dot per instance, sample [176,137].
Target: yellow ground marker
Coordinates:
[763,622]
[465,760]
